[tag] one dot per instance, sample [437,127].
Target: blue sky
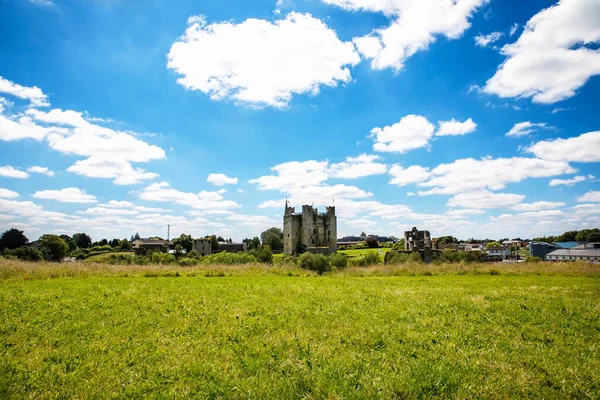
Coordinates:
[471,118]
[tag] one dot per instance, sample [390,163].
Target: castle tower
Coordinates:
[309,231]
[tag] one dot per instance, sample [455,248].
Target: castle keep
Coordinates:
[309,231]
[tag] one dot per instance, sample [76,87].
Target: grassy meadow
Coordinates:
[87,330]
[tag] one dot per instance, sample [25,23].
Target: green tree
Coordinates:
[185,241]
[82,240]
[372,242]
[69,241]
[12,239]
[114,243]
[54,247]
[569,236]
[593,237]
[253,244]
[273,237]
[492,244]
[124,245]
[214,243]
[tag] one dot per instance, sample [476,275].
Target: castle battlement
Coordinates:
[310,230]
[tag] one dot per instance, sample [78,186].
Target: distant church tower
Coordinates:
[309,231]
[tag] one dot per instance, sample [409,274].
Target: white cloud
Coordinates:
[416,23]
[43,3]
[357,167]
[525,128]
[255,222]
[360,222]
[567,182]
[537,206]
[40,170]
[9,172]
[67,195]
[484,40]
[582,148]
[118,204]
[404,176]
[261,63]
[513,29]
[411,132]
[554,56]
[294,174]
[221,179]
[21,128]
[109,211]
[464,211]
[122,171]
[455,128]
[5,104]
[589,196]
[33,94]
[468,174]
[484,199]
[8,194]
[203,200]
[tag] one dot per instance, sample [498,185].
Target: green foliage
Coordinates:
[54,247]
[193,254]
[364,260]
[314,262]
[338,261]
[273,237]
[402,257]
[372,243]
[187,262]
[253,243]
[453,256]
[12,239]
[114,243]
[25,253]
[492,244]
[569,236]
[530,259]
[285,259]
[229,258]
[158,257]
[447,240]
[263,254]
[125,245]
[185,241]
[82,240]
[593,237]
[214,243]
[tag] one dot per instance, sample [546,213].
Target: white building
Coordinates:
[586,252]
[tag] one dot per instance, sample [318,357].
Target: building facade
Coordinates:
[589,252]
[202,246]
[309,231]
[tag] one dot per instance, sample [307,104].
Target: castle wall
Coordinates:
[291,233]
[310,229]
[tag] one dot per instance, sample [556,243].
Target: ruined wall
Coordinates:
[310,229]
[202,246]
[291,233]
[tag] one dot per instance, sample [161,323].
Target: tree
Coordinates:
[82,240]
[492,244]
[114,243]
[185,241]
[446,240]
[593,237]
[253,244]
[69,241]
[12,239]
[220,239]
[214,243]
[54,247]
[363,234]
[372,242]
[273,237]
[124,245]
[570,236]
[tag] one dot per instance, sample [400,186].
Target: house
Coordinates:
[540,249]
[589,252]
[515,243]
[231,247]
[473,247]
[499,251]
[142,246]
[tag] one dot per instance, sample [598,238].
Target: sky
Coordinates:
[471,118]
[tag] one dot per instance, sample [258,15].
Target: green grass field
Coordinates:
[95,331]
[362,252]
[104,256]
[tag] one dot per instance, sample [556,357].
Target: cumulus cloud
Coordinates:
[67,195]
[40,170]
[8,194]
[554,56]
[204,200]
[583,148]
[537,206]
[589,196]
[411,132]
[358,167]
[568,182]
[484,40]
[261,63]
[525,128]
[456,128]
[9,172]
[415,25]
[34,94]
[485,199]
[403,176]
[513,29]
[221,179]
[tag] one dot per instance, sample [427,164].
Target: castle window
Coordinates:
[315,230]
[329,233]
[313,241]
[288,235]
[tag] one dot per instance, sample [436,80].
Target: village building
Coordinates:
[231,247]
[498,251]
[309,231]
[589,252]
[142,246]
[202,247]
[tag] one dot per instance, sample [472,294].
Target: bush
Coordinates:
[285,259]
[25,253]
[193,254]
[370,258]
[372,243]
[530,259]
[314,262]
[53,247]
[229,258]
[338,261]
[263,254]
[161,258]
[187,262]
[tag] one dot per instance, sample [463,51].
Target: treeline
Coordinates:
[584,235]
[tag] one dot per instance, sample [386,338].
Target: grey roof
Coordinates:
[575,253]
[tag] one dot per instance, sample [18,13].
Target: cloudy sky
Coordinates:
[471,118]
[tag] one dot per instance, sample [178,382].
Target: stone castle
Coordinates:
[309,231]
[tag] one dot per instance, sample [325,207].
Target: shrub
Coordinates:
[372,243]
[530,259]
[229,258]
[161,258]
[263,254]
[370,258]
[53,247]
[187,262]
[285,259]
[314,262]
[338,261]
[193,254]
[28,254]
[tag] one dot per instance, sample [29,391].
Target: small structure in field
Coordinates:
[419,242]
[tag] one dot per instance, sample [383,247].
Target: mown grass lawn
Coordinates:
[266,337]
